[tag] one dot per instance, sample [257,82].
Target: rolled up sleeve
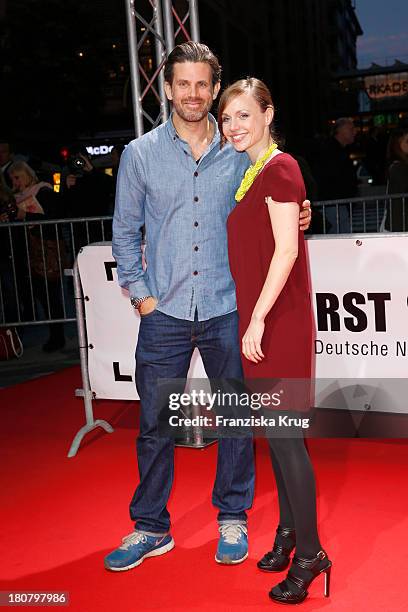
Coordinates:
[128,220]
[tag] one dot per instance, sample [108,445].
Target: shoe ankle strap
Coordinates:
[309,563]
[286,532]
[285,540]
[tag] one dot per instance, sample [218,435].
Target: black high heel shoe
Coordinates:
[293,590]
[277,559]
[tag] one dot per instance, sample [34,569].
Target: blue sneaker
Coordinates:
[233,543]
[136,547]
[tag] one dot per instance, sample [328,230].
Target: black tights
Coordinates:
[297,492]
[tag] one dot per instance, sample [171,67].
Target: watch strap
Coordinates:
[137,302]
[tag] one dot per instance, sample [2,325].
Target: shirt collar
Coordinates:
[174,136]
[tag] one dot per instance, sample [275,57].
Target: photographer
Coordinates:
[88,192]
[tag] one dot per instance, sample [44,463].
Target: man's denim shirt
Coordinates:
[184,206]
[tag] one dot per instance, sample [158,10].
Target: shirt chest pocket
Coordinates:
[168,192]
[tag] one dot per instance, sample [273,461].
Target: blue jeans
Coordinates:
[164,349]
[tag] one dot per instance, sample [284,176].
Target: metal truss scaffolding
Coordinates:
[154,27]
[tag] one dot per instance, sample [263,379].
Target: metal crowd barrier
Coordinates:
[86,391]
[35,256]
[361,215]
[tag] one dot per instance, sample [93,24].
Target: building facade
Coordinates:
[377,97]
[75,60]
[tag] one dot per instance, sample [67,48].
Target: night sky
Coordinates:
[385,26]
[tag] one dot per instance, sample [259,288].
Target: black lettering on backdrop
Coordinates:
[118,376]
[318,347]
[109,266]
[328,318]
[401,349]
[327,307]
[357,313]
[379,300]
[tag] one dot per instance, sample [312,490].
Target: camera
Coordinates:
[10,209]
[76,165]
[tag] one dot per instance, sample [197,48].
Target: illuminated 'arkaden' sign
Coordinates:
[387,86]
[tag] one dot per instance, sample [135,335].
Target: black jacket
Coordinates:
[335,174]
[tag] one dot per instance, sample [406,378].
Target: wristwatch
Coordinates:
[137,302]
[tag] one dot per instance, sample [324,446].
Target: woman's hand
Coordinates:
[21,213]
[251,342]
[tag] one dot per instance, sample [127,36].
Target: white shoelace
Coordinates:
[133,538]
[231,532]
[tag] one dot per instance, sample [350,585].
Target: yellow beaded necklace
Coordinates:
[252,172]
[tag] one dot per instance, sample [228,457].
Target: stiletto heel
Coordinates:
[327,574]
[302,572]
[277,559]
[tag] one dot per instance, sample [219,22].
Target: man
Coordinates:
[88,192]
[336,175]
[177,182]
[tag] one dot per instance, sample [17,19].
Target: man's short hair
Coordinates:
[192,52]
[339,124]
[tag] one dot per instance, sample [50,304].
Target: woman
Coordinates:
[36,201]
[397,153]
[8,213]
[275,316]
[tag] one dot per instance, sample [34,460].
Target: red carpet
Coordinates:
[61,516]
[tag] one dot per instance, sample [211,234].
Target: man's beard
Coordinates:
[192,115]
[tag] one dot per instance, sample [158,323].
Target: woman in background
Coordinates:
[269,267]
[397,153]
[37,201]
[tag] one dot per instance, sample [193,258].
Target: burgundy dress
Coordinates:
[287,340]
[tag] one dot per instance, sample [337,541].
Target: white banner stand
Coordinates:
[359,297]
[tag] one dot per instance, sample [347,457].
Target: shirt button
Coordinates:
[195,272]
[195,174]
[196,198]
[196,248]
[196,224]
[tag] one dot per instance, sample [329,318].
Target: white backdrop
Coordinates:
[369,272]
[359,288]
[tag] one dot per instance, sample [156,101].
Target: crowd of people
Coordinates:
[33,257]
[349,164]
